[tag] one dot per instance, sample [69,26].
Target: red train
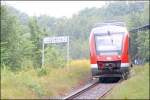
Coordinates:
[109,50]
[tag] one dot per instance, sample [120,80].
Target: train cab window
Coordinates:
[109,44]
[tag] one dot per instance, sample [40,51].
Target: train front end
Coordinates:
[109,51]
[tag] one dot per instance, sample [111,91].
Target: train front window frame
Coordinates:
[106,44]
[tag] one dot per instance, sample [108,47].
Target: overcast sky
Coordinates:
[53,8]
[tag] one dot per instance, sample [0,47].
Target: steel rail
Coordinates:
[80,91]
[107,92]
[85,89]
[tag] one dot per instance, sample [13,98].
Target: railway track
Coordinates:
[95,90]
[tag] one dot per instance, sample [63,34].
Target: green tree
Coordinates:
[36,37]
[143,45]
[11,31]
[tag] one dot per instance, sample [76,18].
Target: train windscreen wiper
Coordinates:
[110,37]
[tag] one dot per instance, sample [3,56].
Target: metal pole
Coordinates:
[68,53]
[43,54]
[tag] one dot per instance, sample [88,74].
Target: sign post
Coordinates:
[42,54]
[55,40]
[68,52]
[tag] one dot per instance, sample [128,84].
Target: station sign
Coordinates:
[59,39]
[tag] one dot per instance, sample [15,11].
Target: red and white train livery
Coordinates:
[109,50]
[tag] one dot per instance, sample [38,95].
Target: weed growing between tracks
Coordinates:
[136,87]
[42,83]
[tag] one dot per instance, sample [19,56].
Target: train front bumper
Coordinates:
[96,72]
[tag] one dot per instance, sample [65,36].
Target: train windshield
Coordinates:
[109,44]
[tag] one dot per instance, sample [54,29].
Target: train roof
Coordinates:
[111,27]
[110,22]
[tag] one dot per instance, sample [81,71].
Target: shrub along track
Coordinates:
[95,89]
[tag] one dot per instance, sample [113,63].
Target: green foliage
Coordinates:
[42,71]
[54,58]
[136,87]
[36,38]
[33,85]
[43,82]
[21,36]
[143,45]
[10,39]
[21,44]
[139,41]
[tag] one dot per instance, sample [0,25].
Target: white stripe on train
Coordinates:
[122,65]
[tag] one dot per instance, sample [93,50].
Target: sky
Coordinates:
[53,8]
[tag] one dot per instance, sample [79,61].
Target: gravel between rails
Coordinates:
[83,88]
[96,92]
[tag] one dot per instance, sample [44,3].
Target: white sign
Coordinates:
[59,39]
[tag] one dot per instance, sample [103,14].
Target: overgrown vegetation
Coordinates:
[43,82]
[21,45]
[137,87]
[21,35]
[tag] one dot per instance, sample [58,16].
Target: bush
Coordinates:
[42,71]
[42,82]
[136,87]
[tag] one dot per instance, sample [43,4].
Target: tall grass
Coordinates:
[44,82]
[137,87]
